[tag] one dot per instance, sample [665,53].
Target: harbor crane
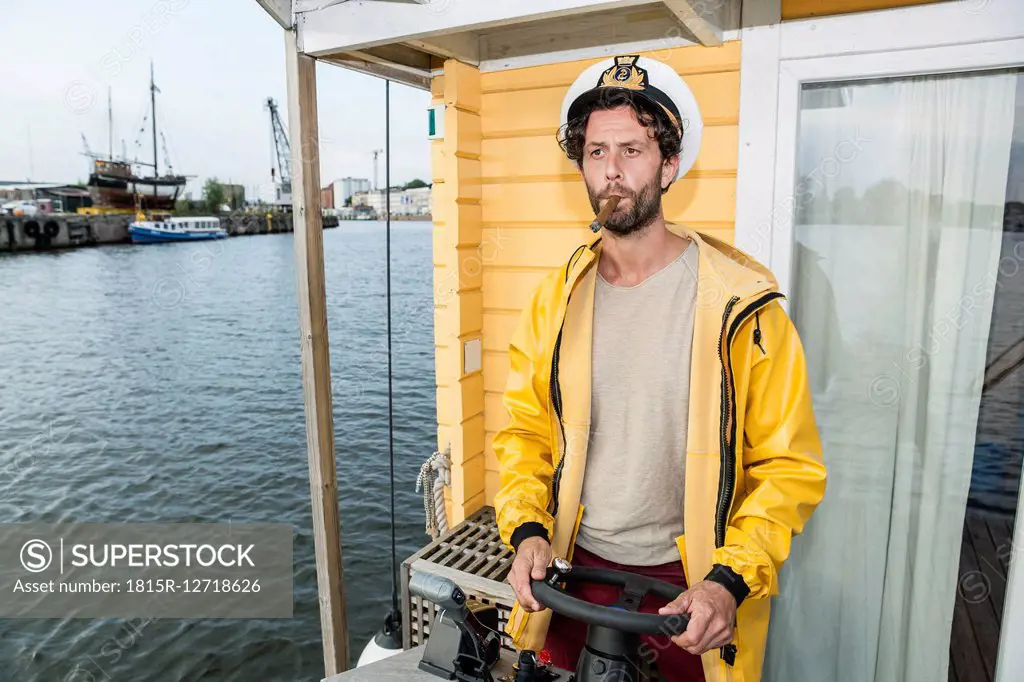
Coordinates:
[376,153]
[281,174]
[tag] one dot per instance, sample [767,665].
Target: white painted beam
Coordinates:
[707,20]
[357,61]
[462,46]
[756,215]
[906,28]
[398,55]
[281,10]
[654,28]
[577,54]
[359,24]
[314,5]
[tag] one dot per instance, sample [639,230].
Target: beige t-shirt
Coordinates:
[633,481]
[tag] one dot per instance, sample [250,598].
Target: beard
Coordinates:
[644,208]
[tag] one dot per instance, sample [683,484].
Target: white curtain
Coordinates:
[898,233]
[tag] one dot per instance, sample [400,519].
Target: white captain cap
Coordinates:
[656,81]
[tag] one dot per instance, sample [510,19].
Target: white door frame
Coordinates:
[778,58]
[793,74]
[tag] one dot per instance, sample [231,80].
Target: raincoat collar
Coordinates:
[724,271]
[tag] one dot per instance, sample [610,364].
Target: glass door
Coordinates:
[904,263]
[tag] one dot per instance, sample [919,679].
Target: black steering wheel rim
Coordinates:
[558,600]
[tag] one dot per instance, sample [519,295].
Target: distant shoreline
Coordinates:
[427,218]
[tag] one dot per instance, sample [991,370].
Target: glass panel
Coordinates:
[908,292]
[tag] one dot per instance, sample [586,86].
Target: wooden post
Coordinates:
[316,363]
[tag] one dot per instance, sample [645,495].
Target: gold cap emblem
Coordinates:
[625,74]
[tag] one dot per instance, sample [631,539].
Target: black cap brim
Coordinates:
[610,94]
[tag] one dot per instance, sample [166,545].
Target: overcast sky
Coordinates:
[216,63]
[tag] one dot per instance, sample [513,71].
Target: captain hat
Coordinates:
[655,81]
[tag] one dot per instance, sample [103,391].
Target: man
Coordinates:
[660,416]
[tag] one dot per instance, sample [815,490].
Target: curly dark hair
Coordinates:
[572,135]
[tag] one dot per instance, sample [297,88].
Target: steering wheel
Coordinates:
[622,616]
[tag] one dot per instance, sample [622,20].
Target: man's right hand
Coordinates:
[531,562]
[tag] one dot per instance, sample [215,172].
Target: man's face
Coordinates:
[620,156]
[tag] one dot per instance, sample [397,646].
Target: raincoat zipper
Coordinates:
[726,479]
[553,388]
[556,403]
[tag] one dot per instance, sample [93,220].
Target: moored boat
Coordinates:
[113,184]
[175,229]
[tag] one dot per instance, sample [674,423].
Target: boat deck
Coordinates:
[984,568]
[404,667]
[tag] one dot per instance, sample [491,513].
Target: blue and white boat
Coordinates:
[176,229]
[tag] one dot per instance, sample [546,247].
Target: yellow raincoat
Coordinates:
[754,470]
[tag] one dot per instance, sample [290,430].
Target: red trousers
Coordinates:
[567,637]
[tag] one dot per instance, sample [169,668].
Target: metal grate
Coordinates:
[473,556]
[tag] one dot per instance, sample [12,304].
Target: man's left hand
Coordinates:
[712,612]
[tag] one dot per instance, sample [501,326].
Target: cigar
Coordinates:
[605,212]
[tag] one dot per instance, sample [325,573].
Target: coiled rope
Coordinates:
[435,474]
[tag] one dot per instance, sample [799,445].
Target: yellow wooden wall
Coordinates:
[533,213]
[457,284]
[801,9]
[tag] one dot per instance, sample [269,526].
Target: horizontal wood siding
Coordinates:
[534,205]
[458,278]
[801,9]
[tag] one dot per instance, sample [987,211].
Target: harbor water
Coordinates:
[163,384]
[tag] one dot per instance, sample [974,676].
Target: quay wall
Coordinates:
[61,231]
[71,230]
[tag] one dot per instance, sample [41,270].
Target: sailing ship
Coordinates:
[113,183]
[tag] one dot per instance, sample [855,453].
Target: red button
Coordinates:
[544,657]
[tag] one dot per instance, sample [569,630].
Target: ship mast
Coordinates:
[110,120]
[152,93]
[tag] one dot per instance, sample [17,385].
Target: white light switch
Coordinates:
[471,356]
